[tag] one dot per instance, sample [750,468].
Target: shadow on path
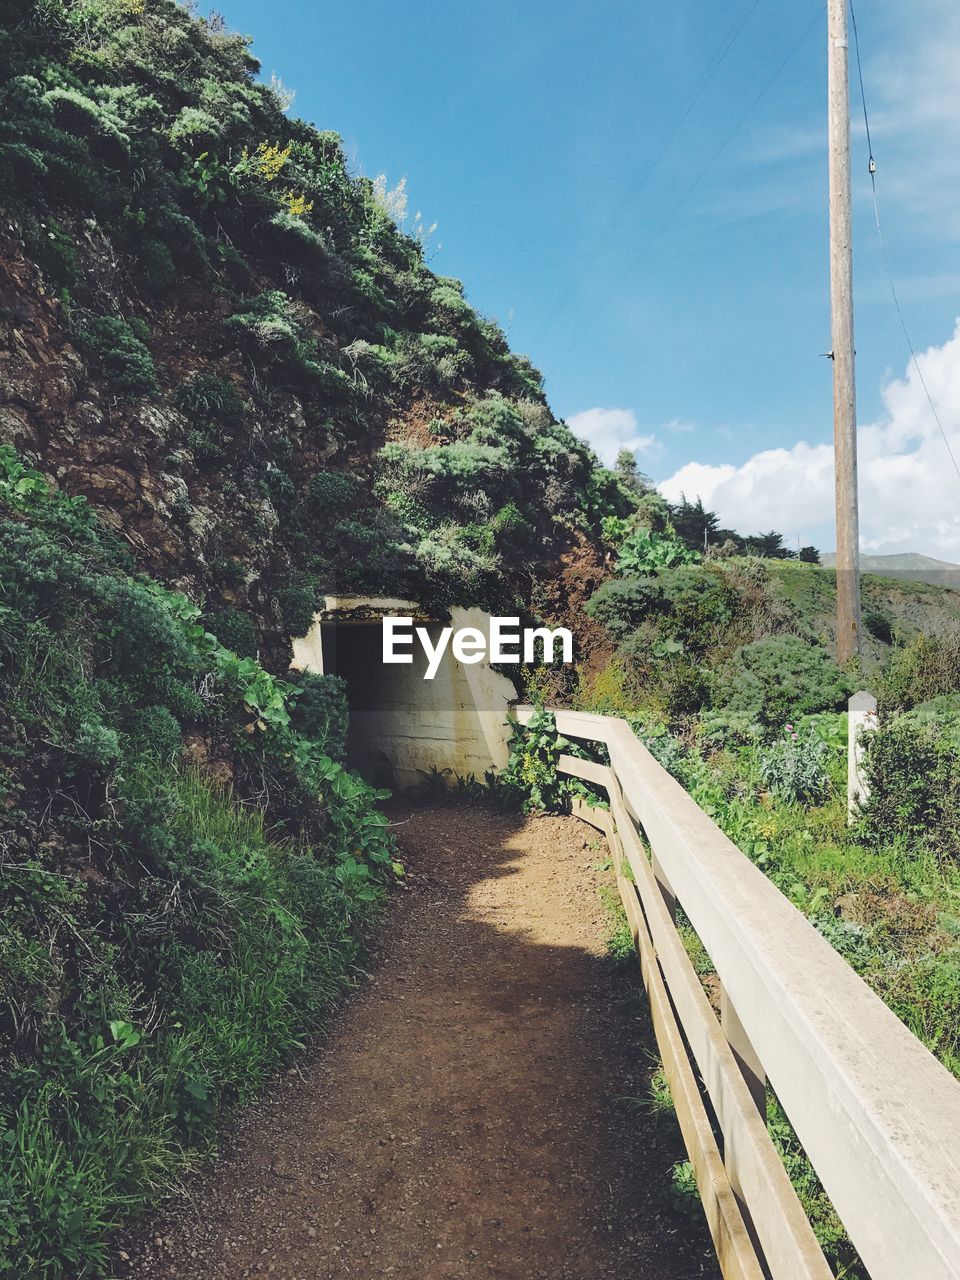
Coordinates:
[466,1115]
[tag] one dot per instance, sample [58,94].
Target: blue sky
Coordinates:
[690,297]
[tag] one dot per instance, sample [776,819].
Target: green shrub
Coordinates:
[913,777]
[90,119]
[138,634]
[143,1000]
[699,606]
[119,353]
[332,492]
[729,728]
[622,604]
[155,732]
[795,767]
[274,331]
[228,571]
[157,269]
[298,599]
[234,630]
[879,624]
[941,715]
[928,667]
[195,130]
[320,712]
[97,747]
[779,679]
[688,605]
[207,395]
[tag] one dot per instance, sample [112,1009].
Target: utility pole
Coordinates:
[841,305]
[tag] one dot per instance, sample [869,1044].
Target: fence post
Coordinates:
[862,715]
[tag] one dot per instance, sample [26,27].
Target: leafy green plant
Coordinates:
[775,680]
[209,180]
[119,352]
[645,551]
[684,1192]
[795,766]
[263,695]
[531,771]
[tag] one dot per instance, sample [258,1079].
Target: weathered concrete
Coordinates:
[402,725]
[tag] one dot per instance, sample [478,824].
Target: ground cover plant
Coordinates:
[312,402]
[187,877]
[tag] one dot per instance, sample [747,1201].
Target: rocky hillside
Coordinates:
[227,342]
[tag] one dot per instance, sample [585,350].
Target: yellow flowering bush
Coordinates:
[298,206]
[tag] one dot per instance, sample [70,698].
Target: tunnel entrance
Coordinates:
[401,725]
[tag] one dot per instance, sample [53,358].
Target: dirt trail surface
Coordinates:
[465,1115]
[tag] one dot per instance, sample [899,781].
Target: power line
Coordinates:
[863,96]
[883,253]
[696,182]
[693,97]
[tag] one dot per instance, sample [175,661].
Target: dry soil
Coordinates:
[467,1113]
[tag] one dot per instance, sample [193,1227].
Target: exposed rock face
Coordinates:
[131,458]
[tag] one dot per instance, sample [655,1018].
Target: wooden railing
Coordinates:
[876,1113]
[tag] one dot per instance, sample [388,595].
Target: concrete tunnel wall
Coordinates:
[400,723]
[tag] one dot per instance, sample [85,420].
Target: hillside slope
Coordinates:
[214,331]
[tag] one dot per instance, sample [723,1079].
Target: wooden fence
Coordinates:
[876,1113]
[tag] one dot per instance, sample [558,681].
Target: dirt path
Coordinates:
[465,1116]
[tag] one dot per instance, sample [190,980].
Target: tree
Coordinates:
[631,477]
[694,525]
[768,545]
[809,555]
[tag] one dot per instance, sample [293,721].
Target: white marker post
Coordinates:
[862,716]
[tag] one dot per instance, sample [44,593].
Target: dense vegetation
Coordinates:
[174,921]
[233,347]
[321,411]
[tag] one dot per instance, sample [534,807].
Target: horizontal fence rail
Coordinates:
[877,1114]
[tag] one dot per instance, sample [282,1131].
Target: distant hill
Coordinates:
[908,564]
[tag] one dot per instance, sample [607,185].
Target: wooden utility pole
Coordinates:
[841,303]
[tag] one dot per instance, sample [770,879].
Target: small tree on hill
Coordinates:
[695,526]
[768,545]
[631,477]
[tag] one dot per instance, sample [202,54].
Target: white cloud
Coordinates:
[610,430]
[911,71]
[909,489]
[679,426]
